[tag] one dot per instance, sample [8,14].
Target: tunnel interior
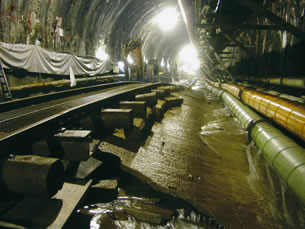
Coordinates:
[254,38]
[214,89]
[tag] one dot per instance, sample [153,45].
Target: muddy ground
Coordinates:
[199,158]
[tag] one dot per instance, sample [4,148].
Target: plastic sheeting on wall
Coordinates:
[36,59]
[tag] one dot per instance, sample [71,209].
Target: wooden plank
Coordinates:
[37,212]
[71,194]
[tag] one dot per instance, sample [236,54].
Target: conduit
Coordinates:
[285,156]
[277,93]
[281,95]
[62,82]
[288,114]
[288,82]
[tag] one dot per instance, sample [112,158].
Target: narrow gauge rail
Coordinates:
[41,116]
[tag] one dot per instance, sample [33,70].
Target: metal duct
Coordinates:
[244,114]
[285,156]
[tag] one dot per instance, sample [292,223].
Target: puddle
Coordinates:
[138,206]
[127,215]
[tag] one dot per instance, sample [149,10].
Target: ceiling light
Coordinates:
[188,60]
[167,19]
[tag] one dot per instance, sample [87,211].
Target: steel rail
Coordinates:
[18,103]
[22,126]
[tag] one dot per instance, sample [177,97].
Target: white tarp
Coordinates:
[36,59]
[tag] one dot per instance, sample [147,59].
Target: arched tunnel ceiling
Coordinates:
[90,24]
[137,21]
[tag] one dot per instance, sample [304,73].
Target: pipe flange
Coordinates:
[240,93]
[252,124]
[223,91]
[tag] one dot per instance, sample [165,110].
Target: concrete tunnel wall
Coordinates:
[87,25]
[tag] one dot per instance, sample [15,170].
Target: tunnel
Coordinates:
[152,114]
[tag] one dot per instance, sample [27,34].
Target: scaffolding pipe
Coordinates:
[285,156]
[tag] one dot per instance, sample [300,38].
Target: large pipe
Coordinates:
[282,81]
[282,95]
[285,156]
[288,114]
[59,82]
[276,93]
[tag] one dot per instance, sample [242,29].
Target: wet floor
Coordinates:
[199,153]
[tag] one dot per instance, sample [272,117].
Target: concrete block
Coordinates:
[77,145]
[138,107]
[87,123]
[41,148]
[117,118]
[159,109]
[160,93]
[138,129]
[149,114]
[167,90]
[33,175]
[150,98]
[173,101]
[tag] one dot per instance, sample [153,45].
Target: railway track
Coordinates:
[25,121]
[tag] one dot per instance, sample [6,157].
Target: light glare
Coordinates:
[167,19]
[162,63]
[121,65]
[101,54]
[130,60]
[188,59]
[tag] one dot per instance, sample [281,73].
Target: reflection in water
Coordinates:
[117,214]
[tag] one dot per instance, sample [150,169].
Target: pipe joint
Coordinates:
[252,124]
[240,94]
